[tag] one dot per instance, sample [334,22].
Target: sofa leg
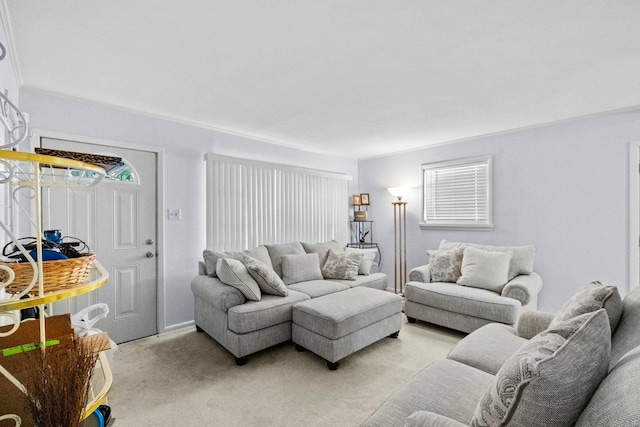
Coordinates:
[394,335]
[300,348]
[241,360]
[199,329]
[333,365]
[411,319]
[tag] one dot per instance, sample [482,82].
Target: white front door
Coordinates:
[117,220]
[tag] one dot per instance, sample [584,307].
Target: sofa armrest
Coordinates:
[216,293]
[523,287]
[531,323]
[430,419]
[420,274]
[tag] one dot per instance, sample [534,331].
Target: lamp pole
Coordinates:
[399,245]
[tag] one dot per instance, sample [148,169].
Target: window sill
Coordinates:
[471,227]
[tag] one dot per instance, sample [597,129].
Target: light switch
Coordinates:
[175,214]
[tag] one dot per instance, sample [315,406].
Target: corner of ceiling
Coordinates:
[11,48]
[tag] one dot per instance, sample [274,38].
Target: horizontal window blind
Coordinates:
[458,193]
[250,203]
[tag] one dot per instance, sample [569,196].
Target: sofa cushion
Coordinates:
[626,336]
[233,273]
[445,266]
[592,297]
[368,259]
[522,259]
[322,249]
[276,251]
[615,402]
[488,347]
[340,314]
[373,280]
[318,288]
[267,279]
[445,387]
[474,302]
[429,419]
[300,268]
[270,310]
[211,257]
[550,380]
[341,265]
[484,269]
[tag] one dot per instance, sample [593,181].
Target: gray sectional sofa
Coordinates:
[576,367]
[466,285]
[244,319]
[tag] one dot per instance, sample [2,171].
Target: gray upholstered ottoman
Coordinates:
[339,324]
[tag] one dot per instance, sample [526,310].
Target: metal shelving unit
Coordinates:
[27,172]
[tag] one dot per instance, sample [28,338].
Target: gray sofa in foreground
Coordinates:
[244,319]
[466,286]
[560,369]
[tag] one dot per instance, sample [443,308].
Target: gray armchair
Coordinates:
[467,308]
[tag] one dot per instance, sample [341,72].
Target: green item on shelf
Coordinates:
[27,347]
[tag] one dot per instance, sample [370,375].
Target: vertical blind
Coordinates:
[250,203]
[458,193]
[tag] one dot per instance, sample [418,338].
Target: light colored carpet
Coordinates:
[184,378]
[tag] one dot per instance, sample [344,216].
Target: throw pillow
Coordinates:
[276,252]
[267,279]
[211,257]
[592,297]
[522,258]
[322,249]
[483,269]
[300,268]
[233,273]
[368,259]
[342,265]
[549,380]
[445,266]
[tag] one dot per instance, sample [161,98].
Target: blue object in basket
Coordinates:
[48,255]
[54,236]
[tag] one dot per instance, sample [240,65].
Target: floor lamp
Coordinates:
[400,238]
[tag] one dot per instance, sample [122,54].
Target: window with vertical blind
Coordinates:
[250,203]
[457,194]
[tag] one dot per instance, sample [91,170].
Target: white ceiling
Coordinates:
[358,78]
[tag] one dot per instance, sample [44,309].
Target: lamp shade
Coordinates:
[399,192]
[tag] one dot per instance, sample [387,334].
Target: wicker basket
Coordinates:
[58,274]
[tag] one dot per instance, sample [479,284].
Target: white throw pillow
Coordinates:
[233,273]
[300,268]
[484,269]
[368,257]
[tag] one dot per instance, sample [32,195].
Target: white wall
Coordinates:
[184,182]
[563,188]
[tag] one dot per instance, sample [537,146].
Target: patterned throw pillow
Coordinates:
[267,279]
[592,297]
[233,273]
[322,249]
[445,266]
[341,265]
[549,380]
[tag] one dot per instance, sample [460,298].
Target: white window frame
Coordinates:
[482,196]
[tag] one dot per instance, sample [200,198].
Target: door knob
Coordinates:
[150,254]
[149,241]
